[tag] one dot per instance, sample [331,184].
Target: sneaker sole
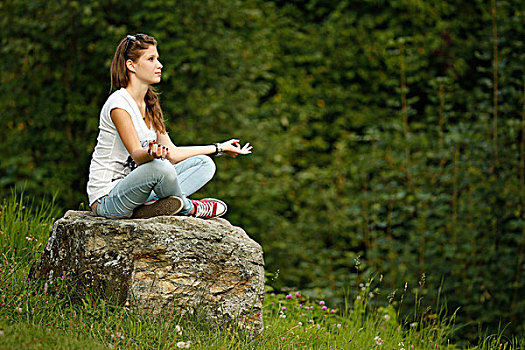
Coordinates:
[164,206]
[218,200]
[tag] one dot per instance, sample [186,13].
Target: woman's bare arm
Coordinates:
[178,154]
[129,137]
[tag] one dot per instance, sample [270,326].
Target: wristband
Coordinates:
[218,149]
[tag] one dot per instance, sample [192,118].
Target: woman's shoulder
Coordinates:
[117,96]
[118,99]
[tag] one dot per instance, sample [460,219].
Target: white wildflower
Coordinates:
[378,340]
[178,329]
[183,345]
[386,317]
[117,335]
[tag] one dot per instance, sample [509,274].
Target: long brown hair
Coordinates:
[131,48]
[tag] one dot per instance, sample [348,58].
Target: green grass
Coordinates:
[34,318]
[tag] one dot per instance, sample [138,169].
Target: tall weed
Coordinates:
[24,230]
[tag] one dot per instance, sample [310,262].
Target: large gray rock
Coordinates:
[159,263]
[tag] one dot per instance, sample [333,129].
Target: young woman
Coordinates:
[136,170]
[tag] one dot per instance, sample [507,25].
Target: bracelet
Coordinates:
[218,149]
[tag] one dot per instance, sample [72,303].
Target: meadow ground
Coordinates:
[34,317]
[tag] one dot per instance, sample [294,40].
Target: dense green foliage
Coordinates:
[388,135]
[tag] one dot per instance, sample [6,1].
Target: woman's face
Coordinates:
[148,67]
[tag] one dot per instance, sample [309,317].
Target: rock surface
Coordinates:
[159,263]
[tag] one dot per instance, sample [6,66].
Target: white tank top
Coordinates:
[110,161]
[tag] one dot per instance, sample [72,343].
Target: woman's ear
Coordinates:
[130,65]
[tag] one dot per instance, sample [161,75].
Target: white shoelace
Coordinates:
[204,209]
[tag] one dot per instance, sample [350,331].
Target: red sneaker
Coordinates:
[208,208]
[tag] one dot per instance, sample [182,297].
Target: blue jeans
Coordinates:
[157,178]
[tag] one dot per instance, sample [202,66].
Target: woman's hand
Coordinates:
[156,150]
[233,148]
